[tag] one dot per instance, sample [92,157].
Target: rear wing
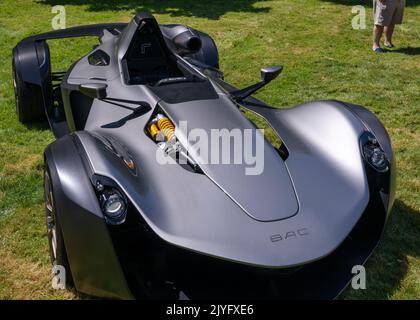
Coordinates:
[79,31]
[32,53]
[31,62]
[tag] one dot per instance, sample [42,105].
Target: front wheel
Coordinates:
[57,248]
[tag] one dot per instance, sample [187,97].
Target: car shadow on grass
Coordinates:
[191,8]
[388,266]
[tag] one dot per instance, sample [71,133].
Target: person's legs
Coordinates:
[389,31]
[381,19]
[377,34]
[397,18]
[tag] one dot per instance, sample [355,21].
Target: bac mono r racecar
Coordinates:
[124,225]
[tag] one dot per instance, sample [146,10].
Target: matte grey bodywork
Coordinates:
[321,189]
[302,208]
[192,211]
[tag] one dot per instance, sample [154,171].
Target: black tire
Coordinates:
[58,254]
[29,97]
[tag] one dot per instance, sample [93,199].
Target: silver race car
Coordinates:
[135,210]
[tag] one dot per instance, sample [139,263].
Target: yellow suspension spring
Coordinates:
[153,129]
[167,127]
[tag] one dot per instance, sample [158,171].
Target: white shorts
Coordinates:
[390,12]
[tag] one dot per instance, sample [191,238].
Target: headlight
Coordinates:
[113,205]
[374,155]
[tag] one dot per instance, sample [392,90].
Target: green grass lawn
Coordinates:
[323,58]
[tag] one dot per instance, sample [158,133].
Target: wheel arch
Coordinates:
[375,126]
[93,261]
[32,65]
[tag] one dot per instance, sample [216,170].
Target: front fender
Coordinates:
[330,131]
[372,124]
[93,261]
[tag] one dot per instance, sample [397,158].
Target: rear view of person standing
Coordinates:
[387,13]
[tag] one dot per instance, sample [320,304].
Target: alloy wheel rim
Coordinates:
[16,92]
[50,213]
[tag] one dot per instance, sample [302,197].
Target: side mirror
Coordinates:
[270,73]
[267,75]
[94,90]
